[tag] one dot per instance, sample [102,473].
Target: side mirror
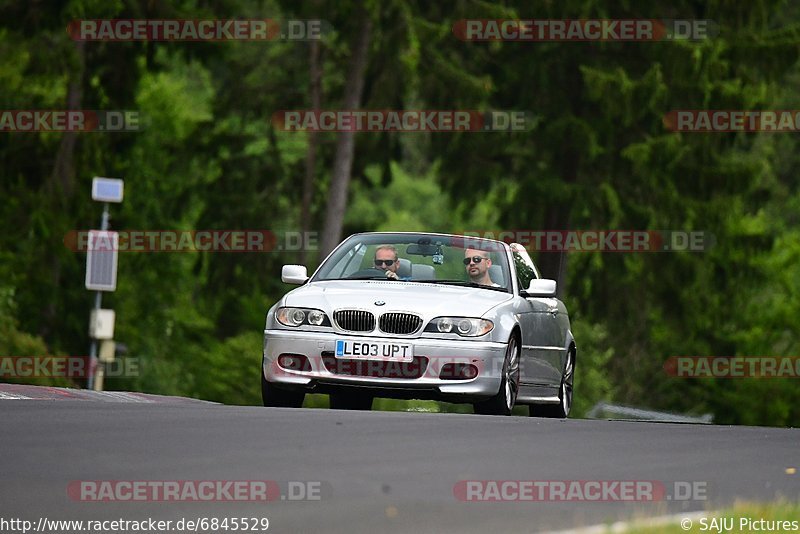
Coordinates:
[294,274]
[541,287]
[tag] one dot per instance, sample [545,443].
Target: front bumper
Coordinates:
[321,376]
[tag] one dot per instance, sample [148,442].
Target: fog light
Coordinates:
[458,371]
[470,371]
[294,362]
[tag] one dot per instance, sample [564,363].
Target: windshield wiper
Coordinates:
[459,283]
[443,281]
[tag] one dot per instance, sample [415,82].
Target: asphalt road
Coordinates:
[374,471]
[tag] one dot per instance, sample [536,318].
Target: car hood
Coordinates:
[428,300]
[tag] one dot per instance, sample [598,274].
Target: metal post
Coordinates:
[98,299]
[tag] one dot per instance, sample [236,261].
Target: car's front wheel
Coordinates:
[280,398]
[564,406]
[503,402]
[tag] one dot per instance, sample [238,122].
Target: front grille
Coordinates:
[375,368]
[399,323]
[355,320]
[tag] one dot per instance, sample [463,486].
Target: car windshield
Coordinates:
[425,258]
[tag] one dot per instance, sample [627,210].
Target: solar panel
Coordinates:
[101,260]
[107,189]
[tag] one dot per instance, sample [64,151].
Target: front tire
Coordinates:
[274,397]
[503,402]
[564,406]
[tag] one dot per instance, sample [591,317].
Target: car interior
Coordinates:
[416,271]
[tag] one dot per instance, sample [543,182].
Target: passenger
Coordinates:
[477,263]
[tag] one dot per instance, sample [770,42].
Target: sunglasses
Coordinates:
[387,263]
[474,259]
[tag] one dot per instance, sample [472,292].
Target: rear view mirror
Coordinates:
[541,287]
[423,250]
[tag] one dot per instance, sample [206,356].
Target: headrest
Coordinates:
[422,272]
[496,274]
[404,270]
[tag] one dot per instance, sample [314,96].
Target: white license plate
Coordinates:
[369,350]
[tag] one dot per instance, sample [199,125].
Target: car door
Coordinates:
[541,354]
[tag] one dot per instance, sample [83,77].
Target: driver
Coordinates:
[386,260]
[477,263]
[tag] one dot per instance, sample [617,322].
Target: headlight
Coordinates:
[300,316]
[463,326]
[296,317]
[316,317]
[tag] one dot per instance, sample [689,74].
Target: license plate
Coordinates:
[368,350]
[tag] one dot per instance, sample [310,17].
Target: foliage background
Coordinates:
[599,157]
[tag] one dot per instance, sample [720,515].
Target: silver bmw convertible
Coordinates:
[421,316]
